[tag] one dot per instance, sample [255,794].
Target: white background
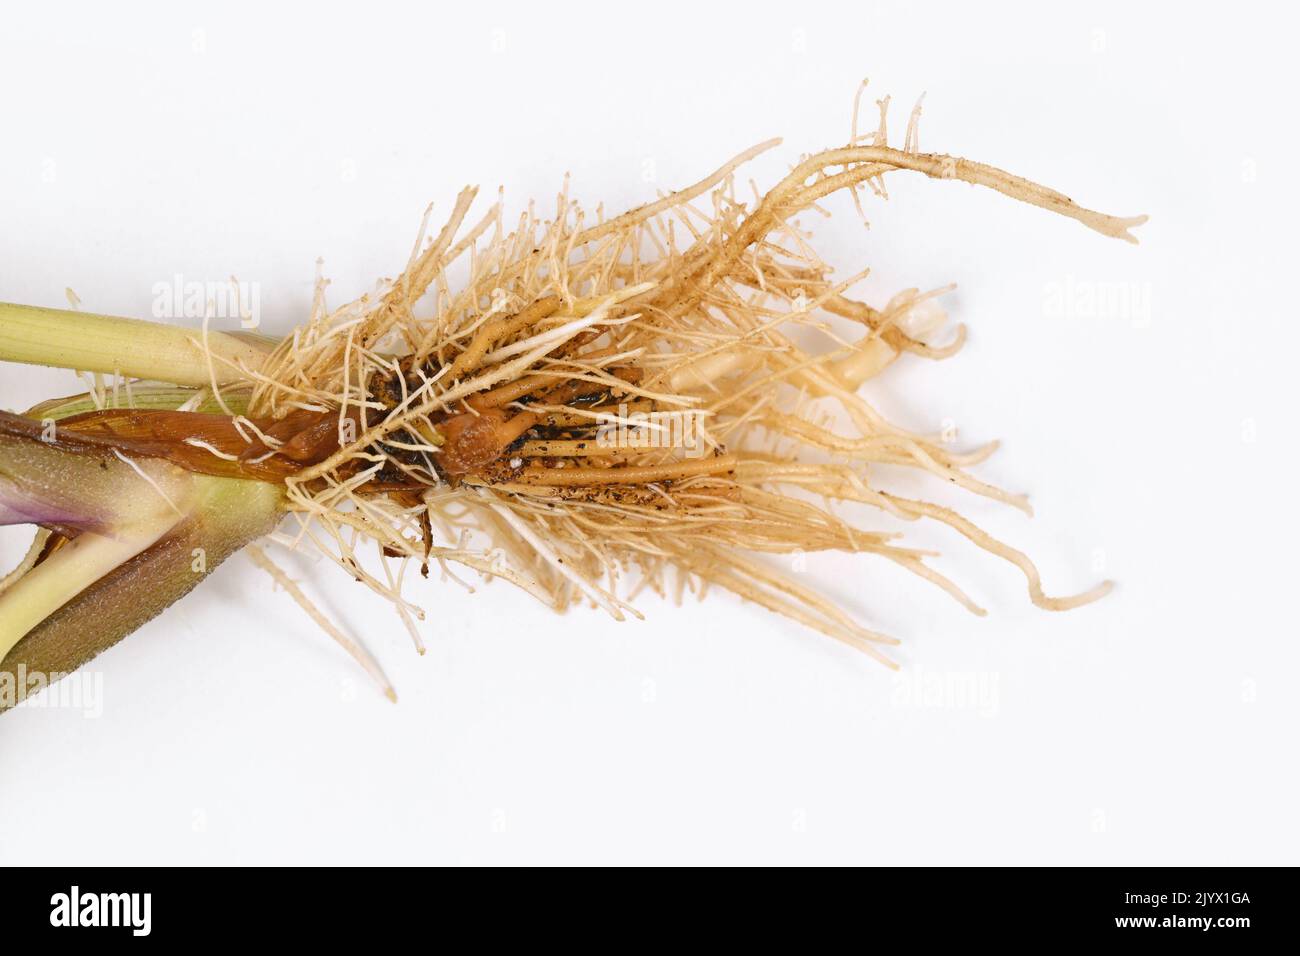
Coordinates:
[1158,444]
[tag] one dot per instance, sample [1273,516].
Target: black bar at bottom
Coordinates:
[217,906]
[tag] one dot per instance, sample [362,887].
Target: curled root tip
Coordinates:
[1077,600]
[1102,589]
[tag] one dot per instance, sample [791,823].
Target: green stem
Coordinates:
[130,347]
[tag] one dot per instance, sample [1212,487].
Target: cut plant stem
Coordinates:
[69,571]
[223,515]
[128,347]
[130,537]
